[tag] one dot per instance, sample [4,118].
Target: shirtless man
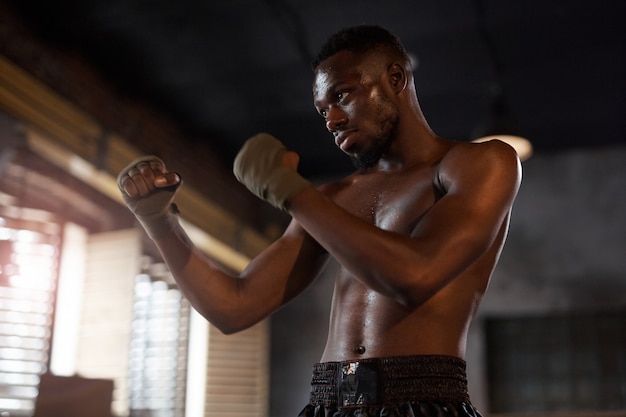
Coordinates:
[416,230]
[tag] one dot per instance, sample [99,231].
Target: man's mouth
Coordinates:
[342,139]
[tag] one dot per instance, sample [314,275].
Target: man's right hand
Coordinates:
[148,190]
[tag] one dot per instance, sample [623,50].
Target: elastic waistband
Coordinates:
[389,380]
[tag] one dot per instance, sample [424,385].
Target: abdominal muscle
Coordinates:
[367,324]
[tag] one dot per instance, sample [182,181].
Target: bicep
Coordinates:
[463,224]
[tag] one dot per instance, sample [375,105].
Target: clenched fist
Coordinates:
[267,169]
[148,190]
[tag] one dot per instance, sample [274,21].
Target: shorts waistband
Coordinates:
[389,380]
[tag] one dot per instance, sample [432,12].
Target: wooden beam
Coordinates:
[60,132]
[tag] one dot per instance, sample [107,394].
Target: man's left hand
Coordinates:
[268,170]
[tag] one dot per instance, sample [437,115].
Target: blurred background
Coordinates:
[90,316]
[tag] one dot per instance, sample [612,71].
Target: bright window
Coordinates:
[158,357]
[28,276]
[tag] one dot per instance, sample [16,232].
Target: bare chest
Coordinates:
[390,202]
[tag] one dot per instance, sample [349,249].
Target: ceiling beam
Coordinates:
[66,136]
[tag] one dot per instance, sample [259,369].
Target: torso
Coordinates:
[364,323]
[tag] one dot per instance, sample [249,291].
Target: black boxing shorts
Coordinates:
[403,386]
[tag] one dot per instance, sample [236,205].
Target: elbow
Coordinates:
[228,326]
[418,288]
[228,330]
[408,295]
[413,298]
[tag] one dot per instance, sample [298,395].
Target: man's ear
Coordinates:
[397,77]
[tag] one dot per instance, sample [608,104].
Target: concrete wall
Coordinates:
[566,252]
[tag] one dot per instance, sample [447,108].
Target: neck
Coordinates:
[415,144]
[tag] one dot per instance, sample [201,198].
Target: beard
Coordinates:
[371,157]
[380,143]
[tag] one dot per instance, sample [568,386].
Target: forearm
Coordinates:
[212,291]
[233,302]
[387,262]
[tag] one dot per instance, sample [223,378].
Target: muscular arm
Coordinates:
[229,301]
[234,302]
[480,182]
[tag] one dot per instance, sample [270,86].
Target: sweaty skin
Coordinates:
[367,321]
[416,232]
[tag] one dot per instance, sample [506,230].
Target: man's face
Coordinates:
[349,92]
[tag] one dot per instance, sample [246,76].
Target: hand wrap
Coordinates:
[259,166]
[155,212]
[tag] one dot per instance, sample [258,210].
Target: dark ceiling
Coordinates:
[226,69]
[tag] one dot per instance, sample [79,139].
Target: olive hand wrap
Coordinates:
[259,166]
[155,212]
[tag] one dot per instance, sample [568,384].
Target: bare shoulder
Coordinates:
[473,153]
[473,162]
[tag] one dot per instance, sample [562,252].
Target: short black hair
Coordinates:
[360,39]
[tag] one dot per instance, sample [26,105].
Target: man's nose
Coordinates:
[335,119]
